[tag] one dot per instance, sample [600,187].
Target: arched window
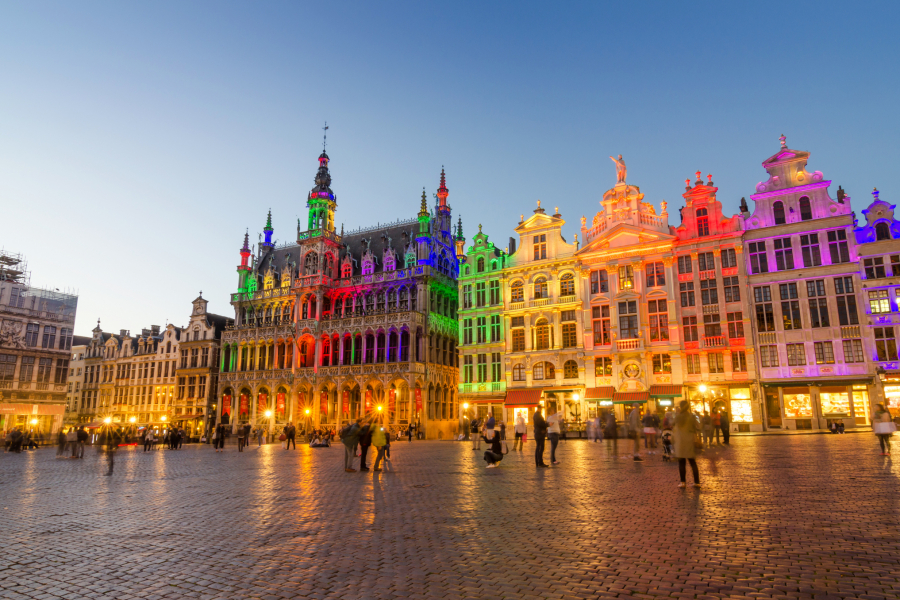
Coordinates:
[329,264]
[567,285]
[540,288]
[389,263]
[882,231]
[410,260]
[778,209]
[480,264]
[346,269]
[570,369]
[517,292]
[702,222]
[467,270]
[537,373]
[549,371]
[311,265]
[542,335]
[368,267]
[493,265]
[805,209]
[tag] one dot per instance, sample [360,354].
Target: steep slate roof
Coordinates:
[81,340]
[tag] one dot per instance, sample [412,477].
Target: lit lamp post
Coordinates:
[268,414]
[306,425]
[465,418]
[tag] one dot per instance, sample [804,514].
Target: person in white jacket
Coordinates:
[520,430]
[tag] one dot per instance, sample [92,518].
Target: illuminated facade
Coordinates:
[336,325]
[801,257]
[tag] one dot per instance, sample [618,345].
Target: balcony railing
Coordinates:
[516,305]
[629,344]
[850,331]
[714,341]
[42,386]
[767,338]
[483,387]
[540,302]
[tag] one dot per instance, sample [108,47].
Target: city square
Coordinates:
[781,516]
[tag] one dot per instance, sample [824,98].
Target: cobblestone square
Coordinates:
[777,517]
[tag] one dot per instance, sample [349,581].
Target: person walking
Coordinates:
[884,427]
[725,423]
[260,435]
[684,433]
[379,440]
[717,425]
[611,433]
[409,433]
[181,436]
[350,438]
[72,442]
[476,438]
[148,439]
[634,430]
[60,443]
[540,432]
[242,438]
[112,446]
[365,440]
[83,437]
[707,428]
[290,434]
[520,429]
[554,430]
[494,455]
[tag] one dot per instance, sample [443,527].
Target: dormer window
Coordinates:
[778,210]
[480,263]
[346,269]
[882,231]
[702,222]
[368,267]
[805,209]
[388,263]
[540,246]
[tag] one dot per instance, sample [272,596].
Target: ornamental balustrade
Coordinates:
[336,371]
[629,344]
[714,341]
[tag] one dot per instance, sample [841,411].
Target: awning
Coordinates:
[523,397]
[630,397]
[665,391]
[599,393]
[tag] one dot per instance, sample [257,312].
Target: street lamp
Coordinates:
[132,420]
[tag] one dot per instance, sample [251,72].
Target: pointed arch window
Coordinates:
[346,270]
[702,222]
[805,209]
[311,264]
[882,231]
[410,260]
[778,210]
[368,267]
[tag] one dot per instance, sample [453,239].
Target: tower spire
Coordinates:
[321,200]
[443,192]
[423,210]
[267,231]
[460,241]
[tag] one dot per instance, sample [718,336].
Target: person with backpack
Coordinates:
[350,438]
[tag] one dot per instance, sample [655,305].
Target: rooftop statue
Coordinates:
[621,170]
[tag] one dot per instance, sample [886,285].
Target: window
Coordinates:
[712,326]
[659,320]
[540,246]
[201,387]
[784,254]
[759,263]
[882,231]
[600,322]
[204,360]
[480,264]
[31,335]
[494,292]
[570,370]
[716,361]
[517,292]
[885,344]
[537,373]
[778,209]
[818,305]
[729,258]
[874,267]
[467,331]
[656,276]
[706,261]
[481,330]
[568,335]
[45,366]
[824,353]
[17,297]
[626,278]
[467,296]
[805,209]
[540,288]
[739,361]
[567,285]
[879,302]
[480,294]
[662,363]
[853,351]
[628,320]
[796,355]
[732,289]
[26,370]
[846,301]
[702,222]
[468,369]
[195,355]
[599,282]
[684,265]
[518,340]
[837,245]
[482,368]
[49,340]
[566,315]
[192,386]
[693,364]
[542,335]
[518,372]
[62,366]
[809,247]
[690,329]
[790,314]
[495,328]
[687,293]
[735,325]
[496,367]
[65,339]
[603,366]
[346,269]
[765,316]
[709,293]
[768,356]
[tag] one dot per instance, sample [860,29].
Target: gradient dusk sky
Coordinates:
[139,140]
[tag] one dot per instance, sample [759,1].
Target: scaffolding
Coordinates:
[14,267]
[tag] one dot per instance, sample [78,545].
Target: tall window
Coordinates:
[693,364]
[567,285]
[537,372]
[45,366]
[882,231]
[626,278]
[790,308]
[540,246]
[494,292]
[467,331]
[706,261]
[712,326]
[768,356]
[662,363]
[482,368]
[518,372]
[853,351]
[702,222]
[480,294]
[542,335]
[778,209]
[659,320]
[732,289]
[517,292]
[874,268]
[49,340]
[739,361]
[26,369]
[765,315]
[837,245]
[690,329]
[879,302]
[603,366]
[656,275]
[570,369]
[686,288]
[495,328]
[600,322]
[195,355]
[846,301]
[481,330]
[716,361]
[31,334]
[17,297]
[567,317]
[684,265]
[735,325]
[796,355]
[540,288]
[628,320]
[759,262]
[784,254]
[62,365]
[467,295]
[518,340]
[599,282]
[729,258]
[805,209]
[824,353]
[709,292]
[496,367]
[192,385]
[468,368]
[809,248]
[480,264]
[65,339]
[818,304]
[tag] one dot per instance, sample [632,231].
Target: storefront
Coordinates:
[665,397]
[598,399]
[40,419]
[816,405]
[521,403]
[734,398]
[623,402]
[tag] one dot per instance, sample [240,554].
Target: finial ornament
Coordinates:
[479,228]
[539,203]
[325,136]
[699,176]
[556,209]
[875,193]
[709,178]
[621,170]
[783,141]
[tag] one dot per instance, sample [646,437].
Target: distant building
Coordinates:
[76,379]
[35,340]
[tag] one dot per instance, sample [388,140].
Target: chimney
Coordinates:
[123,332]
[155,329]
[512,245]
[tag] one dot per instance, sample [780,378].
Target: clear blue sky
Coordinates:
[138,140]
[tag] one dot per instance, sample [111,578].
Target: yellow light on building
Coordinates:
[268,413]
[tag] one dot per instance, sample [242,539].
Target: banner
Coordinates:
[245,405]
[279,403]
[226,404]
[346,402]
[419,399]
[301,403]
[392,399]
[368,400]
[323,402]
[262,403]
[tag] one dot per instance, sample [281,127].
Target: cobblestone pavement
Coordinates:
[779,517]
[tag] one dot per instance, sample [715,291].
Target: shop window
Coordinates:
[834,401]
[797,404]
[741,409]
[570,369]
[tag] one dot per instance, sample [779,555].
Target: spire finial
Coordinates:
[442,191]
[325,136]
[875,193]
[699,175]
[269,220]
[783,141]
[423,210]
